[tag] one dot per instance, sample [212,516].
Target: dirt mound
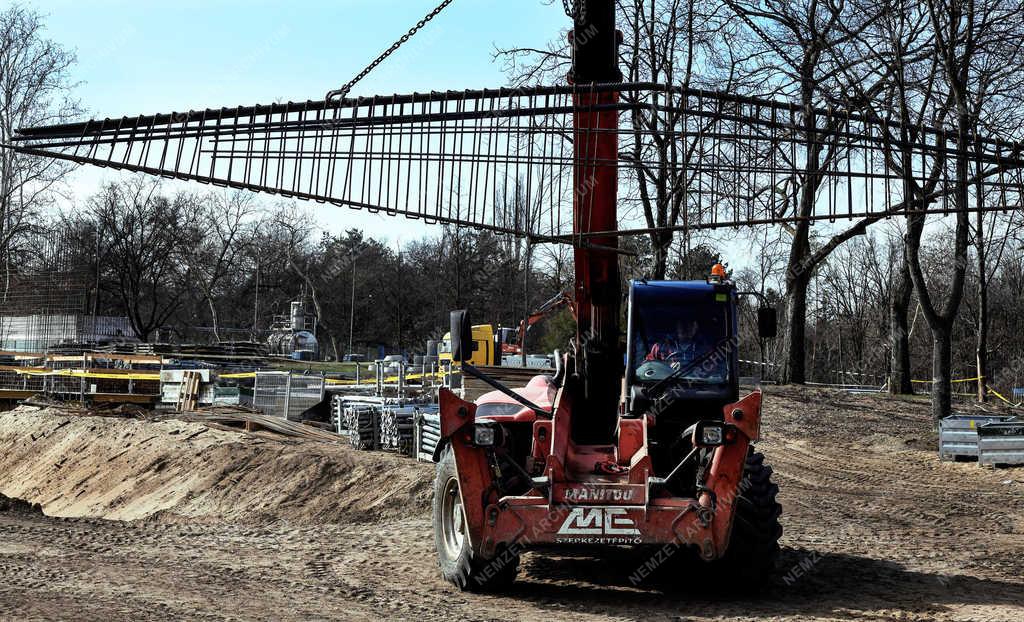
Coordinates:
[19,506]
[127,469]
[876,528]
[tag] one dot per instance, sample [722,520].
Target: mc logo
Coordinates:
[597,522]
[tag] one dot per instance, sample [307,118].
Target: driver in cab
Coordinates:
[679,347]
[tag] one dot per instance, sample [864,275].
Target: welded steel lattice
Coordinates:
[504,160]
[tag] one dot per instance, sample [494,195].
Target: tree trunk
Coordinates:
[982,351]
[941,321]
[796,337]
[899,334]
[661,243]
[798,275]
[214,317]
[942,361]
[982,344]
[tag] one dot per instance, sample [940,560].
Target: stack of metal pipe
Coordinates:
[428,431]
[338,420]
[396,428]
[362,424]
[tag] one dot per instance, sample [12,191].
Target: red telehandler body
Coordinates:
[650,446]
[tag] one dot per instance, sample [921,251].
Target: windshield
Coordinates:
[669,336]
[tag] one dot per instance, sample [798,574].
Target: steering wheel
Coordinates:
[654,370]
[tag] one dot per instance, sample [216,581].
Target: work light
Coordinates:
[486,434]
[710,433]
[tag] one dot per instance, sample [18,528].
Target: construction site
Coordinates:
[710,312]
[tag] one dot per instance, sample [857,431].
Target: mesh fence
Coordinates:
[12,380]
[283,394]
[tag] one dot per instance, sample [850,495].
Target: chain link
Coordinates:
[343,91]
[576,9]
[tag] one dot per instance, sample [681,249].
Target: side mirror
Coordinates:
[462,336]
[767,322]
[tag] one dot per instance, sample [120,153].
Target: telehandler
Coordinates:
[647,447]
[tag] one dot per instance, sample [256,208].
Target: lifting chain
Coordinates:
[343,91]
[576,9]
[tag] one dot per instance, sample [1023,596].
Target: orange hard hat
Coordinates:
[718,270]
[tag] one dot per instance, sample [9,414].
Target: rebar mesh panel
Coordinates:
[43,296]
[503,159]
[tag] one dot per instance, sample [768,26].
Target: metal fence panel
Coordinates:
[268,391]
[11,380]
[283,394]
[304,392]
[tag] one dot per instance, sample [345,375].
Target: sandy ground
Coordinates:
[230,526]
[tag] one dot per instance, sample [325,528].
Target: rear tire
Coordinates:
[460,565]
[753,551]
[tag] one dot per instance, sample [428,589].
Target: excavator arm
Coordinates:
[554,304]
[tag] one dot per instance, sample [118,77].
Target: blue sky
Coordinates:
[147,57]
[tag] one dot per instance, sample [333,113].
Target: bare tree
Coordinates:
[975,44]
[671,42]
[295,229]
[997,90]
[35,89]
[992,234]
[144,236]
[226,227]
[806,51]
[899,45]
[666,43]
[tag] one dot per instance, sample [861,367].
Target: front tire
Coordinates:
[460,564]
[753,551]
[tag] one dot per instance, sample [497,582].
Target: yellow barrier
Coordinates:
[79,373]
[975,379]
[996,393]
[389,379]
[339,381]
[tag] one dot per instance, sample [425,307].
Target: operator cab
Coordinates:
[682,358]
[682,340]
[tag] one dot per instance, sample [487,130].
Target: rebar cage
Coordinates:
[43,300]
[503,159]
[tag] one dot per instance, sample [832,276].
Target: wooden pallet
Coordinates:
[188,397]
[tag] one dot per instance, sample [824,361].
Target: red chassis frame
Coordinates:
[579,506]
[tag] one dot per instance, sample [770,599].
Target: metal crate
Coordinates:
[1001,443]
[958,434]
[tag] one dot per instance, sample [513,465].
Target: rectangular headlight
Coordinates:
[711,435]
[484,435]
